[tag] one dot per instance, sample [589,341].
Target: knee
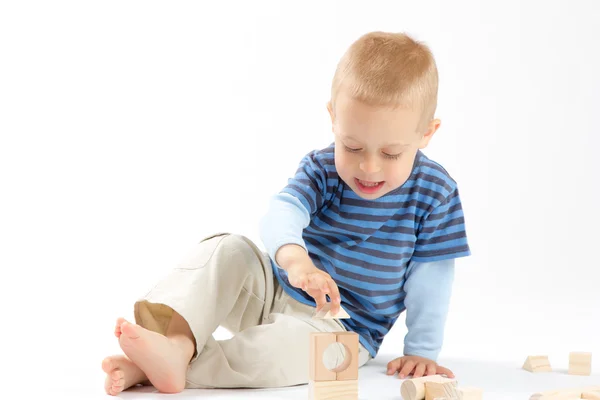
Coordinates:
[220,248]
[233,243]
[240,251]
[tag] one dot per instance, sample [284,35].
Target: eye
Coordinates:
[392,156]
[351,150]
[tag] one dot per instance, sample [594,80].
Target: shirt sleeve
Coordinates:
[428,290]
[283,223]
[309,184]
[443,235]
[290,211]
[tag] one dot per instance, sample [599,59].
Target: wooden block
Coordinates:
[591,395]
[333,390]
[435,390]
[558,395]
[348,370]
[469,393]
[450,390]
[580,363]
[564,394]
[414,389]
[537,364]
[317,371]
[325,313]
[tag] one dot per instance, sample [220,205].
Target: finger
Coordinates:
[431,369]
[407,368]
[299,281]
[393,366]
[334,295]
[324,285]
[419,370]
[320,299]
[445,371]
[315,281]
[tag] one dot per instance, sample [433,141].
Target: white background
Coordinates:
[130,130]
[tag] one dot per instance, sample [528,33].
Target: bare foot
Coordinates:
[163,360]
[121,374]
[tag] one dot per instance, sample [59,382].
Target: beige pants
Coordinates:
[227,281]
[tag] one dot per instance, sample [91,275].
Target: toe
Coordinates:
[107,365]
[108,386]
[132,331]
[120,383]
[118,326]
[117,375]
[115,390]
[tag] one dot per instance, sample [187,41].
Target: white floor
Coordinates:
[499,381]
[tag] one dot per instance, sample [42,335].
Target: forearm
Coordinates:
[281,230]
[428,290]
[290,254]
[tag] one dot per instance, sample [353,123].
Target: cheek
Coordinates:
[402,169]
[343,163]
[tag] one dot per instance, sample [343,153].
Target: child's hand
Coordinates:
[417,366]
[316,283]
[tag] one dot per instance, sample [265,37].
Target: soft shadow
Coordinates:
[498,380]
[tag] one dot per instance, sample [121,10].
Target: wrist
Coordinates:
[428,354]
[289,255]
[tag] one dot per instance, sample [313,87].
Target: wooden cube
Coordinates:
[580,363]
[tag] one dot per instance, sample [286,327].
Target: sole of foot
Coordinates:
[163,361]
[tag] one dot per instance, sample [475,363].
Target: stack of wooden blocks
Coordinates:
[436,387]
[341,382]
[338,383]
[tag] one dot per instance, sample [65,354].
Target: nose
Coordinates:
[369,165]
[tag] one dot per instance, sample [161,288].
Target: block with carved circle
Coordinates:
[340,382]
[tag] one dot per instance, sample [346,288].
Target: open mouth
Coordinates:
[368,187]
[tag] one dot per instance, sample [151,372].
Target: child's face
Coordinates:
[375,146]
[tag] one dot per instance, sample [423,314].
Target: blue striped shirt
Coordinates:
[369,246]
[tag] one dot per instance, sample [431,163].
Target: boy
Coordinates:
[369,223]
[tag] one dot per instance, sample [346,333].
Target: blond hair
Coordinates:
[389,69]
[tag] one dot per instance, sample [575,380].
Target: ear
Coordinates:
[432,128]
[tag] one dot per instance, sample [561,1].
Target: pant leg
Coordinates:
[224,280]
[274,354]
